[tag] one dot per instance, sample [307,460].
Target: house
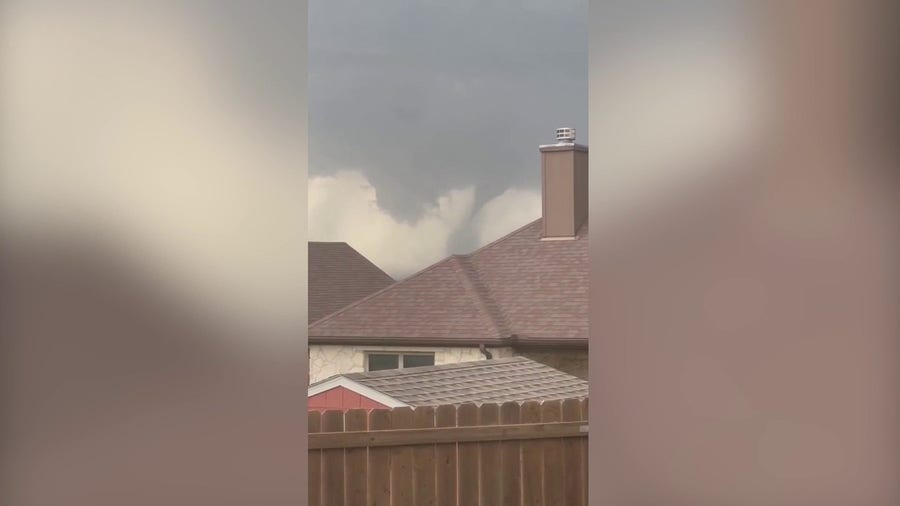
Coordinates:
[516,379]
[340,275]
[525,294]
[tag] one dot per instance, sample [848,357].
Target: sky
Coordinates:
[425,119]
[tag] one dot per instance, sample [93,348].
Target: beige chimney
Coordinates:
[564,173]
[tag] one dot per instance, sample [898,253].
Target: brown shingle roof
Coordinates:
[501,380]
[339,275]
[518,289]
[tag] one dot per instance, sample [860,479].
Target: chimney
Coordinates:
[564,175]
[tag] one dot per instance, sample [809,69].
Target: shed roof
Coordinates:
[501,380]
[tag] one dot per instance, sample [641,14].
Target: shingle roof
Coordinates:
[340,275]
[518,289]
[499,380]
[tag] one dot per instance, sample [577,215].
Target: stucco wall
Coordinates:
[327,360]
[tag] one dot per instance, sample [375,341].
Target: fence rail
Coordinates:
[511,454]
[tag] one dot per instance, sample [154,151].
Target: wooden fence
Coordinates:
[489,455]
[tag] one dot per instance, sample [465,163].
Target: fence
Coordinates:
[489,455]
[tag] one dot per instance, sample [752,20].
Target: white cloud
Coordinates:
[343,207]
[506,212]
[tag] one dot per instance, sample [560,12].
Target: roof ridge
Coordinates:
[476,286]
[504,237]
[373,264]
[449,258]
[356,253]
[379,292]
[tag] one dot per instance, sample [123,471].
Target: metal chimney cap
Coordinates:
[565,141]
[565,134]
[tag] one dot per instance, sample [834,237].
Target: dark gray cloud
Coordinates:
[424,97]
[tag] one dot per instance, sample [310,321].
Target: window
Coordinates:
[383,361]
[418,360]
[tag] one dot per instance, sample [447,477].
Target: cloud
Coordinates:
[424,118]
[506,212]
[344,207]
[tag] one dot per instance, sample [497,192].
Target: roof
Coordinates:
[519,289]
[500,380]
[340,275]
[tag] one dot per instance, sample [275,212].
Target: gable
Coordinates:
[341,385]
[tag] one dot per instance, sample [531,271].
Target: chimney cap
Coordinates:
[565,135]
[565,140]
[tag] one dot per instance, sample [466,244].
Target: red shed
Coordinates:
[342,392]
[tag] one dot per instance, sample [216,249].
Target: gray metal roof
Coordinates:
[484,381]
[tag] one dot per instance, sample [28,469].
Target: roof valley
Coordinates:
[492,314]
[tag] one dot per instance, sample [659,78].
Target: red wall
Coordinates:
[341,398]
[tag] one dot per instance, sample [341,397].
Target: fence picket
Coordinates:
[314,476]
[490,462]
[424,461]
[445,454]
[402,461]
[532,459]
[511,457]
[467,481]
[355,460]
[333,462]
[572,457]
[554,477]
[379,462]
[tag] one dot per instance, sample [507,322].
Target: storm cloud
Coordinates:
[421,102]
